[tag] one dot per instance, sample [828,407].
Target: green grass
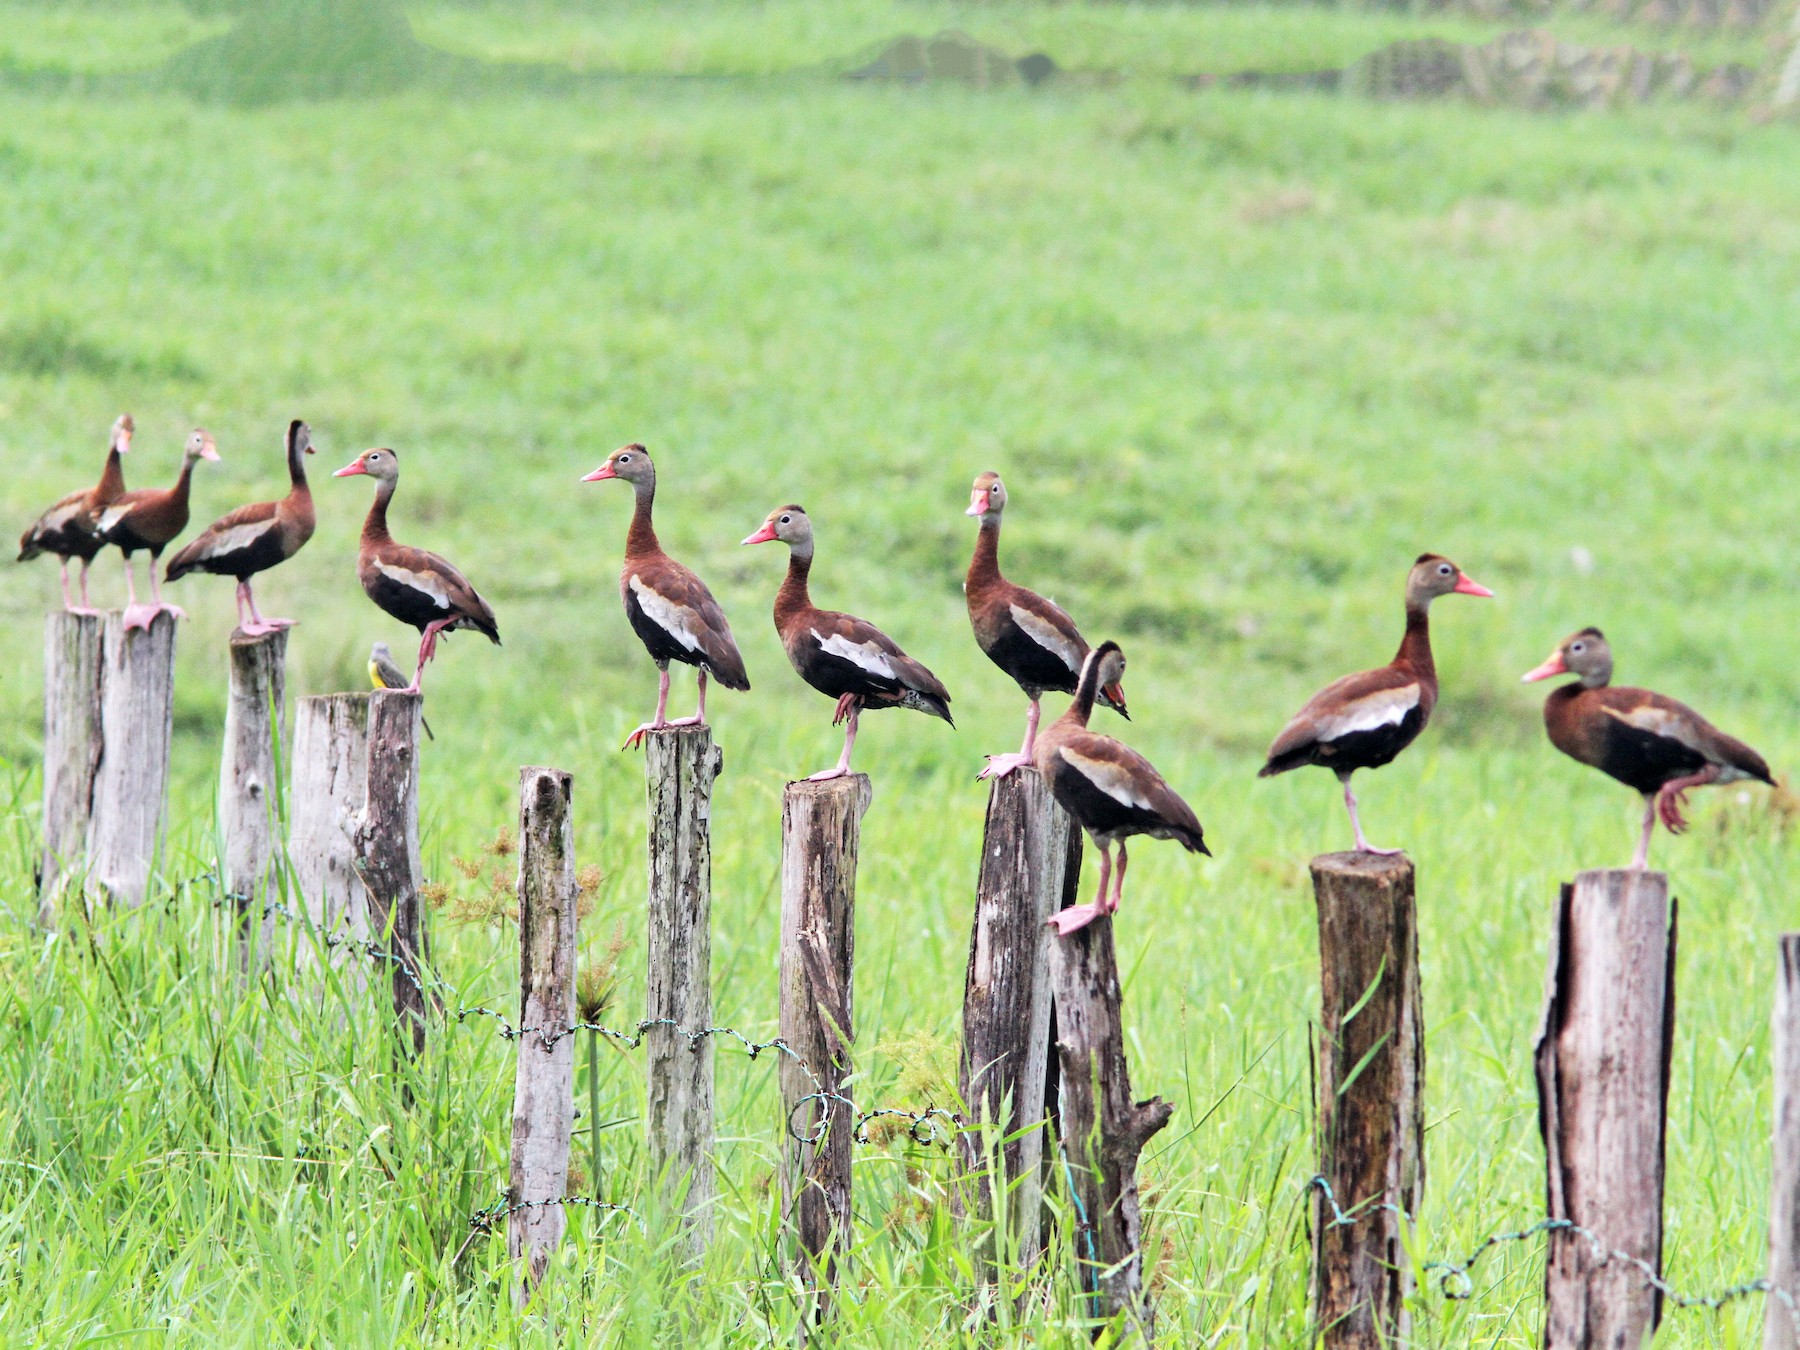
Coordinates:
[1240,357]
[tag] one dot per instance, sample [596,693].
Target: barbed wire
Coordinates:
[1456,1281]
[935,1126]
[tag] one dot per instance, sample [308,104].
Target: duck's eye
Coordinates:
[1578,648]
[1443,569]
[787,520]
[624,459]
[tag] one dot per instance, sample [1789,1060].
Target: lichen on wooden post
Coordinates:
[137,719]
[73,662]
[387,851]
[1781,1329]
[1371,1107]
[680,764]
[544,1083]
[255,721]
[1030,848]
[1602,1057]
[1104,1129]
[328,787]
[820,834]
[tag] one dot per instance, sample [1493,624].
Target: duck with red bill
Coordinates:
[1646,741]
[1364,721]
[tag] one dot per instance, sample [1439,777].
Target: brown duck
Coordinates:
[1646,741]
[71,528]
[151,518]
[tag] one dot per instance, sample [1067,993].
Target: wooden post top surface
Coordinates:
[239,638]
[1354,863]
[855,785]
[1621,876]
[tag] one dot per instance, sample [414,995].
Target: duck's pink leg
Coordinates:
[699,717]
[998,766]
[842,768]
[427,649]
[1641,859]
[1118,894]
[658,722]
[1362,843]
[1673,794]
[258,625]
[84,607]
[136,615]
[1076,917]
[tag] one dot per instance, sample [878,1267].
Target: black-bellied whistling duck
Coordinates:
[1654,744]
[71,528]
[1362,721]
[669,608]
[1027,636]
[416,587]
[840,655]
[1112,791]
[257,537]
[151,518]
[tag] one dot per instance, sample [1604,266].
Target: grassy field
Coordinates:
[1240,357]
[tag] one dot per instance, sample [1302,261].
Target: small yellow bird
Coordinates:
[384,673]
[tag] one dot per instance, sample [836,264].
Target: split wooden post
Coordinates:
[72,743]
[327,788]
[1104,1130]
[255,723]
[544,1085]
[137,721]
[820,834]
[387,850]
[1030,853]
[1781,1328]
[680,764]
[1602,1057]
[1371,1107]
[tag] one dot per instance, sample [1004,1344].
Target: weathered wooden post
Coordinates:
[327,788]
[1030,861]
[255,721]
[1104,1130]
[544,1085]
[680,764]
[820,833]
[1602,1056]
[387,850]
[137,720]
[1371,1107]
[72,698]
[1781,1329]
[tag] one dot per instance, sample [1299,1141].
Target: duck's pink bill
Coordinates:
[1554,666]
[1467,585]
[762,536]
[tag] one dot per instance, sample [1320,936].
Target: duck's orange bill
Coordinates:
[1554,666]
[762,536]
[978,503]
[604,471]
[1467,585]
[356,466]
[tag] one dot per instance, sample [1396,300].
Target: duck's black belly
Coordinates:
[1372,748]
[1645,760]
[405,603]
[657,640]
[1035,668]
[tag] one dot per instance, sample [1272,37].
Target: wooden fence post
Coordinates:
[544,1086]
[1602,1056]
[72,744]
[679,767]
[137,719]
[820,834]
[1030,851]
[387,850]
[1371,1107]
[1104,1130]
[327,788]
[255,722]
[1781,1331]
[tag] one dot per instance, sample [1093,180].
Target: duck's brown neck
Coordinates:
[641,538]
[984,567]
[296,465]
[1086,691]
[1415,647]
[793,597]
[375,526]
[179,495]
[112,477]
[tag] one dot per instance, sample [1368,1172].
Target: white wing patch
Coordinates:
[1661,722]
[238,537]
[866,656]
[1047,635]
[1112,779]
[1384,708]
[114,514]
[675,619]
[426,583]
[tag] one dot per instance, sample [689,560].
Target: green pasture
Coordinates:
[1240,357]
